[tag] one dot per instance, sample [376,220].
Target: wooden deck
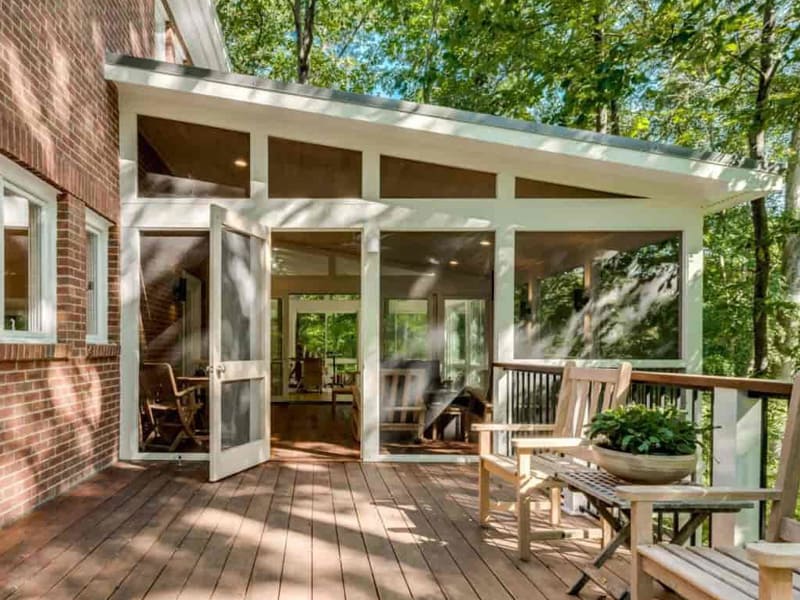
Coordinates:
[284,531]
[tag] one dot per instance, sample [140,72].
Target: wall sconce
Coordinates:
[179,290]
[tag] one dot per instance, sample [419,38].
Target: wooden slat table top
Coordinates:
[601,486]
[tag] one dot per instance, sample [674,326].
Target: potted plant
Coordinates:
[645,445]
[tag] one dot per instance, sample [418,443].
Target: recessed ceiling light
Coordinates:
[485,243]
[453,263]
[240,162]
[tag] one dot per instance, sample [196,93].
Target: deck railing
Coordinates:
[743,417]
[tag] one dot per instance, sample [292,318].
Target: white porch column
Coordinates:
[692,295]
[370,313]
[503,303]
[129,265]
[737,461]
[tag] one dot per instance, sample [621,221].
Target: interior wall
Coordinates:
[164,258]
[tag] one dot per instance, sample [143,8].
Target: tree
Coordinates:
[329,44]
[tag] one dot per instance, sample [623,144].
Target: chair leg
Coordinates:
[774,584]
[483,494]
[555,506]
[524,526]
[641,520]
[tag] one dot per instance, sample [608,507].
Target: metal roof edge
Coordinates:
[441,112]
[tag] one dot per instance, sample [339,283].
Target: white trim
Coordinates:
[44,197]
[701,183]
[199,27]
[99,226]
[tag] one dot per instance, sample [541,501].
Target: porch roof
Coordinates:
[716,180]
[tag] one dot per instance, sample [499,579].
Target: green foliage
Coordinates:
[680,71]
[637,429]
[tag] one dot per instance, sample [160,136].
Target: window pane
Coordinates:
[187,160]
[92,250]
[597,295]
[21,240]
[406,329]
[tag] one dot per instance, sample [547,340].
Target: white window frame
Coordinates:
[97,225]
[43,196]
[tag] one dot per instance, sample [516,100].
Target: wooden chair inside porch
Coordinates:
[313,370]
[403,401]
[168,413]
[766,570]
[584,392]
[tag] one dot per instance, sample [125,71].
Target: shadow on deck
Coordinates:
[283,530]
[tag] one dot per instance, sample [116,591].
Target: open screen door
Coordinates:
[238,344]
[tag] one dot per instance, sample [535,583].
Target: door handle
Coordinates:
[220,370]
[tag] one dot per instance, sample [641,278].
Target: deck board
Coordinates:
[324,530]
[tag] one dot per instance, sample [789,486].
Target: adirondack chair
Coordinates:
[403,400]
[584,392]
[765,570]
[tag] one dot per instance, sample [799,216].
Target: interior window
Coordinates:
[406,329]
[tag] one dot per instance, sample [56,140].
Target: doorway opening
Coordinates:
[173,343]
[316,382]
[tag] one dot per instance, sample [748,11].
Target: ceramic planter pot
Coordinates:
[651,469]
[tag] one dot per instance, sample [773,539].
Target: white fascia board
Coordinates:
[201,31]
[736,181]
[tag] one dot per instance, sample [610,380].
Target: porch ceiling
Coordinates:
[421,132]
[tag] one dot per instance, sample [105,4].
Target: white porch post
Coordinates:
[370,314]
[503,303]
[130,261]
[692,295]
[737,461]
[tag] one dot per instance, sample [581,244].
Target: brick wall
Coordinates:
[59,404]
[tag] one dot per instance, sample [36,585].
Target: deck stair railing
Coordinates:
[741,450]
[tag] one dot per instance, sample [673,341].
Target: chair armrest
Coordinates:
[780,555]
[512,427]
[666,493]
[187,391]
[546,443]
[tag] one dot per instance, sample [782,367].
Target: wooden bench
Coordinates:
[584,392]
[765,570]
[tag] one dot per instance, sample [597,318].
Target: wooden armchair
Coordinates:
[584,392]
[168,414]
[765,570]
[403,400]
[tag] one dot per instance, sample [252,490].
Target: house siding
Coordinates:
[59,403]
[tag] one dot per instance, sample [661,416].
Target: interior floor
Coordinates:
[313,431]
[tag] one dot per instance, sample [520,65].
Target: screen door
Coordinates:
[238,344]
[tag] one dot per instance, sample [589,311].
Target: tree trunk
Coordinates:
[303,12]
[756,139]
[790,314]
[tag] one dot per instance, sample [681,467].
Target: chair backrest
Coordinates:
[312,372]
[402,388]
[586,391]
[157,383]
[782,525]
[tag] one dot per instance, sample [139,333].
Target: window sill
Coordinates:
[21,351]
[94,350]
